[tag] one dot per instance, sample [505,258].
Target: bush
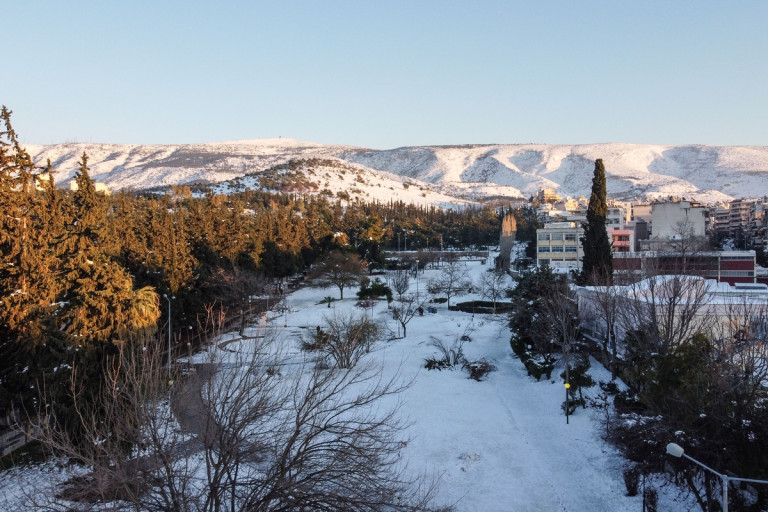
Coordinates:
[632,480]
[433,363]
[318,341]
[628,402]
[651,499]
[478,369]
[327,300]
[451,356]
[609,387]
[374,290]
[543,366]
[571,405]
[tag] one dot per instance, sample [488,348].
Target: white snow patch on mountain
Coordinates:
[704,173]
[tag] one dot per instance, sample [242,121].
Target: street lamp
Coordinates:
[676,450]
[169,335]
[417,279]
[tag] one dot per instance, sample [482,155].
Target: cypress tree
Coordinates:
[598,261]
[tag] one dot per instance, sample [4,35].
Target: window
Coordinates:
[570,237]
[571,249]
[543,236]
[557,236]
[544,248]
[557,249]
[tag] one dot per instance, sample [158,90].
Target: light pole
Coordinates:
[170,380]
[417,279]
[169,336]
[677,451]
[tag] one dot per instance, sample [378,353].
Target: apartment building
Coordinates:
[558,245]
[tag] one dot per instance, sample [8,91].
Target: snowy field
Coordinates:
[497,445]
[500,444]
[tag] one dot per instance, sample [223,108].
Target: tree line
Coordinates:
[84,275]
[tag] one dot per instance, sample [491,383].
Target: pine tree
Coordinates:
[100,299]
[28,260]
[598,261]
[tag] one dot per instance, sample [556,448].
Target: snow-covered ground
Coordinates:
[498,445]
[502,444]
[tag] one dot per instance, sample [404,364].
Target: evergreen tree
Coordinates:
[100,300]
[29,282]
[598,260]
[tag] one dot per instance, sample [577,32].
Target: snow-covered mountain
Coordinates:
[705,173]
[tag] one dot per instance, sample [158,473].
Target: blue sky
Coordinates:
[384,74]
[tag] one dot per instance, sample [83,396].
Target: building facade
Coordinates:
[558,244]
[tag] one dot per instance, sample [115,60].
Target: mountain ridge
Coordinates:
[475,171]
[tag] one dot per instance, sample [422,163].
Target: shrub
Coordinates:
[609,387]
[543,366]
[374,289]
[632,480]
[347,339]
[628,402]
[318,341]
[478,369]
[327,300]
[451,356]
[651,499]
[433,363]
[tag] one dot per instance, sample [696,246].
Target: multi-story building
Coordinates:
[558,245]
[622,240]
[678,219]
[547,195]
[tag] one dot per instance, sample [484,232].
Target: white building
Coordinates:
[558,244]
[677,219]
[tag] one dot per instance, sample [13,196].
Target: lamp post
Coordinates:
[169,336]
[676,450]
[567,405]
[417,279]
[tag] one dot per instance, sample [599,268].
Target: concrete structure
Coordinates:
[622,240]
[506,242]
[678,219]
[641,212]
[558,245]
[547,195]
[744,220]
[721,266]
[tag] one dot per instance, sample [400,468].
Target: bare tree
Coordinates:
[255,432]
[453,280]
[669,309]
[404,309]
[340,269]
[559,303]
[400,282]
[493,285]
[348,338]
[237,289]
[606,304]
